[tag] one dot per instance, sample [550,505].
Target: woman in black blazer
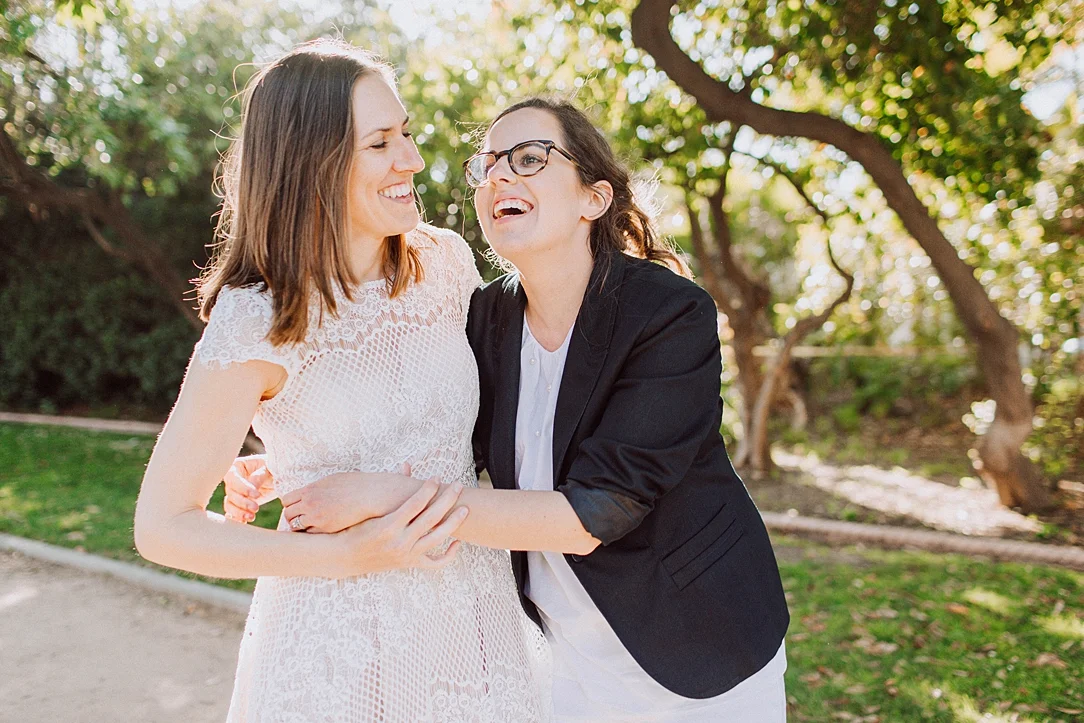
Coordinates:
[662,597]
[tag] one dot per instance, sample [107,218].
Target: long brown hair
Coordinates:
[284,189]
[625,226]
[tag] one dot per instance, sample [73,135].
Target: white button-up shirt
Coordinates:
[595,676]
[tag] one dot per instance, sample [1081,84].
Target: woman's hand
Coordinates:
[331,504]
[405,536]
[249,484]
[339,501]
[328,505]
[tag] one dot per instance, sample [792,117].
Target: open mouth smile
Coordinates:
[511,207]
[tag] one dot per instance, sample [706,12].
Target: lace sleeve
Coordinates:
[237,332]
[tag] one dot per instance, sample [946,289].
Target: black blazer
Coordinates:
[685,574]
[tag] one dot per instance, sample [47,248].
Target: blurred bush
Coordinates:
[1057,444]
[850,388]
[81,328]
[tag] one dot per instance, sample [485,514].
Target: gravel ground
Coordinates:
[77,646]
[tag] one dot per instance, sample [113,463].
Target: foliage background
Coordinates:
[139,98]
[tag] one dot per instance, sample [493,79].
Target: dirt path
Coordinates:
[77,646]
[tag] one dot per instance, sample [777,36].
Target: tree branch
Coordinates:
[651,32]
[752,293]
[31,55]
[777,369]
[18,180]
[707,259]
[22,182]
[793,180]
[799,187]
[102,241]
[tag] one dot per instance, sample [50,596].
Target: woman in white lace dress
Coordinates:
[336,327]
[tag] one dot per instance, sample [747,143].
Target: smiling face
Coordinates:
[380,198]
[549,211]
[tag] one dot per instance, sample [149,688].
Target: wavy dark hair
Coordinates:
[626,226]
[284,187]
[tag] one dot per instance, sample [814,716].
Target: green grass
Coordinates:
[78,488]
[876,636]
[894,636]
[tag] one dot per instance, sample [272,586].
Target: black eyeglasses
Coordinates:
[525,159]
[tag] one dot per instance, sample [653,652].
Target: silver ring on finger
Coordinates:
[296,524]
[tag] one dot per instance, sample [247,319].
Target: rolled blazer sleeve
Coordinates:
[661,410]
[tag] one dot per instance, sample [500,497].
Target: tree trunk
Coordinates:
[743,300]
[799,411]
[751,329]
[747,336]
[760,460]
[993,336]
[754,447]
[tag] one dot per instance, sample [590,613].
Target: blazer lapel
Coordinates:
[586,352]
[502,446]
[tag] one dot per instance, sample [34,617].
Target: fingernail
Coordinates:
[462,512]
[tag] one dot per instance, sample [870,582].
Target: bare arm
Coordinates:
[503,519]
[204,432]
[524,520]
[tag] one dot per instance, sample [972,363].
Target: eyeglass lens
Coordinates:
[525,159]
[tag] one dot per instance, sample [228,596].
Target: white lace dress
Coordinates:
[385,382]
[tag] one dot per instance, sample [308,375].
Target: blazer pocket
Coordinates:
[703,549]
